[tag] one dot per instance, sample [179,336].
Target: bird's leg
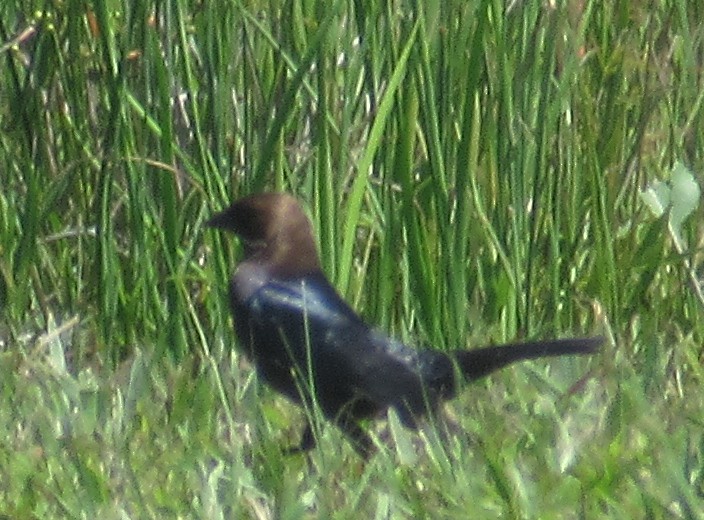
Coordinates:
[358,437]
[307,441]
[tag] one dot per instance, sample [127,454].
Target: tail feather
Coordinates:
[477,363]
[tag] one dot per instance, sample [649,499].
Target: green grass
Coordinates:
[474,173]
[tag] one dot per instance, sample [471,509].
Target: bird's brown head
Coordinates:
[275,231]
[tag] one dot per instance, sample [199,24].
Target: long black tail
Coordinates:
[477,363]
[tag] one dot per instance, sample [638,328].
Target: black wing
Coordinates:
[304,323]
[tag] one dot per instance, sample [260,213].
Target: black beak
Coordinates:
[221,220]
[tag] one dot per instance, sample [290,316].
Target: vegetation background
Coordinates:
[476,171]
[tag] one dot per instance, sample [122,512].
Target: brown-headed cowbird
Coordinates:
[308,344]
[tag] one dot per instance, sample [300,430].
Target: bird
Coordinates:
[308,344]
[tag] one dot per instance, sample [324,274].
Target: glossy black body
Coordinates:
[303,323]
